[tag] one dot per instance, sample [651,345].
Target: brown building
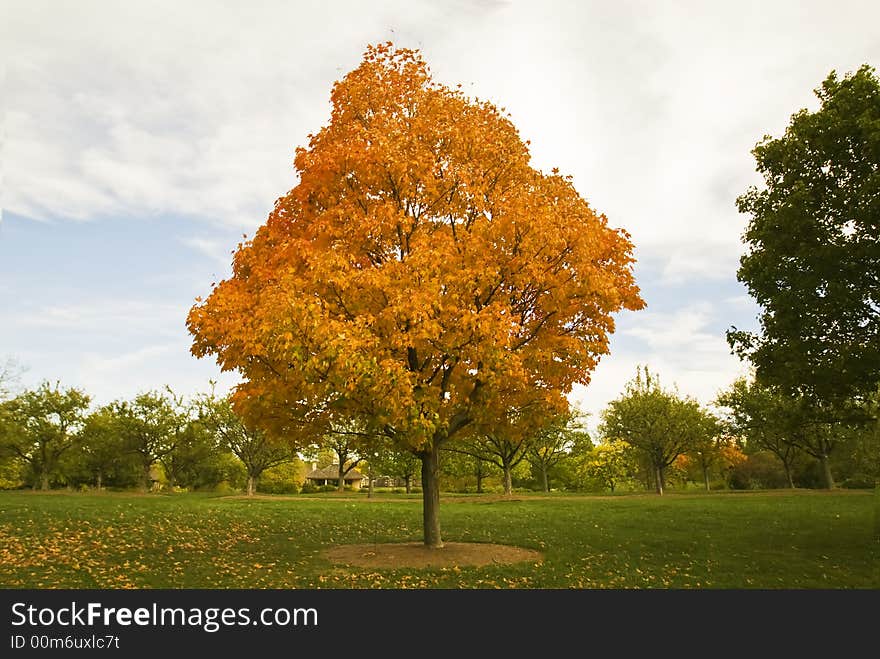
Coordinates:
[330,476]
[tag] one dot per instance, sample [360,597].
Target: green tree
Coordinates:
[257,451]
[195,460]
[706,448]
[102,449]
[150,427]
[41,425]
[460,468]
[553,443]
[608,464]
[660,424]
[857,456]
[502,451]
[813,250]
[344,440]
[285,478]
[765,419]
[399,464]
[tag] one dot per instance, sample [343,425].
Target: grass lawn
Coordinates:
[720,540]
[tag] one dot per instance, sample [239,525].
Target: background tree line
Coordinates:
[650,438]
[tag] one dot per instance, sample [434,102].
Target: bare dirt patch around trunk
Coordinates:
[416,555]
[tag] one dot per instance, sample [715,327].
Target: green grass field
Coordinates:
[731,540]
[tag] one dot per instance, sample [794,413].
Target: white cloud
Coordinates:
[102,365]
[190,109]
[742,303]
[216,250]
[679,346]
[663,330]
[109,377]
[123,317]
[193,111]
[196,109]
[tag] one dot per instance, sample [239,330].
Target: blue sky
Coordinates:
[141,141]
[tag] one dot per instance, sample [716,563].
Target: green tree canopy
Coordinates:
[40,425]
[813,248]
[257,451]
[150,426]
[764,419]
[657,422]
[554,442]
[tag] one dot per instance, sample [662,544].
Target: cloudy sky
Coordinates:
[141,140]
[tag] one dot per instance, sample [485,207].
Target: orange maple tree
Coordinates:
[421,278]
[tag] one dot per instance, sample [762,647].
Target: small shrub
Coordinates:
[859,482]
[761,470]
[285,478]
[308,488]
[224,487]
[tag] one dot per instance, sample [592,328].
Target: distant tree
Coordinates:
[285,478]
[553,443]
[193,446]
[102,449]
[516,430]
[256,449]
[659,423]
[150,427]
[504,452]
[462,467]
[857,457]
[195,460]
[399,464]
[766,419]
[706,445]
[344,439]
[731,456]
[608,464]
[40,425]
[788,425]
[813,259]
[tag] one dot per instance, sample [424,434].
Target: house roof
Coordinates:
[331,472]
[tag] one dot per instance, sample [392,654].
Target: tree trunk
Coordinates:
[431,497]
[145,478]
[370,480]
[251,485]
[99,482]
[706,477]
[788,477]
[340,484]
[508,481]
[479,482]
[826,473]
[544,480]
[44,480]
[408,481]
[658,475]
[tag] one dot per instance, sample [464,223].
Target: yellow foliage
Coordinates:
[421,276]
